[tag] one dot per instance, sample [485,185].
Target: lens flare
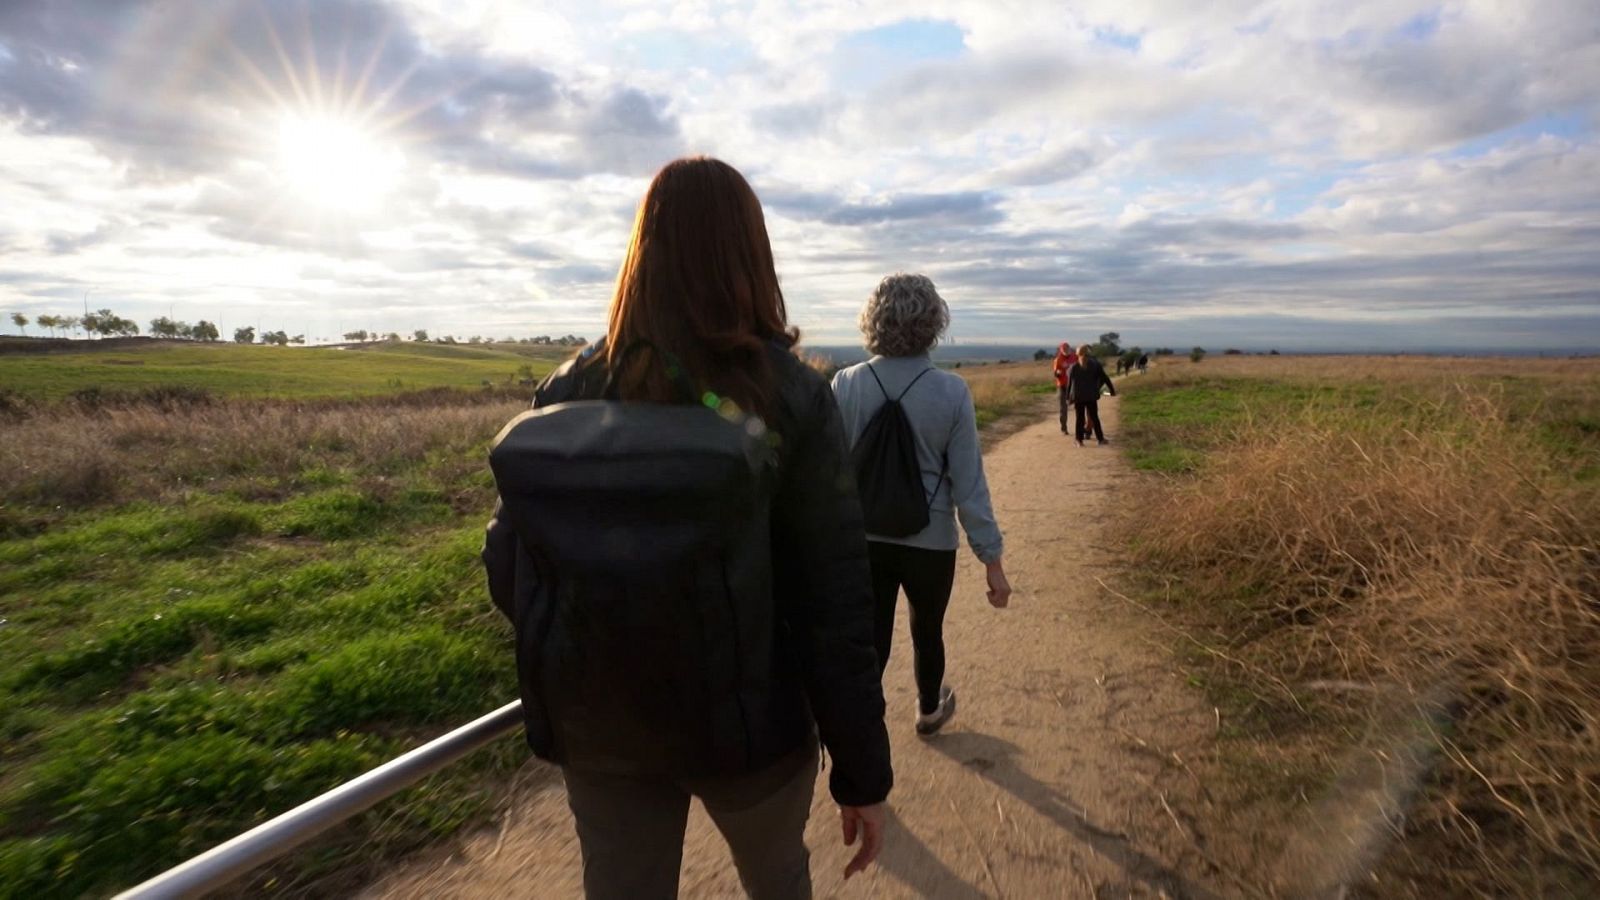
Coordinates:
[335,165]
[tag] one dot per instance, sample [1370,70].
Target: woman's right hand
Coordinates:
[999,587]
[865,822]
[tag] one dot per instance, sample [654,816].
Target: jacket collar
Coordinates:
[918,357]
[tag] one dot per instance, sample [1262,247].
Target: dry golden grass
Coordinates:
[108,448]
[1431,539]
[76,456]
[998,390]
[1400,369]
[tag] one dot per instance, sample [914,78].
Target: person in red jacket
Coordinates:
[1064,360]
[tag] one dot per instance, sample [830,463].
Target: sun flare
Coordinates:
[335,165]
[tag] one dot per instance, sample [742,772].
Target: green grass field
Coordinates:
[1173,427]
[175,676]
[1192,410]
[262,371]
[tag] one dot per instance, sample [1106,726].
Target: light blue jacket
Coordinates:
[941,413]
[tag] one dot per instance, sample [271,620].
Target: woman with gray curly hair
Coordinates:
[901,322]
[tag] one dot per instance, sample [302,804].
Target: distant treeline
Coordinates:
[1107,346]
[105,323]
[421,335]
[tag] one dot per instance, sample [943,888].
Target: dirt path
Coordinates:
[1061,775]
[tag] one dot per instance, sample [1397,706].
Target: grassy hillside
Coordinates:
[259,371]
[1387,572]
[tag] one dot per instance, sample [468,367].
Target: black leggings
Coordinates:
[927,576]
[1093,409]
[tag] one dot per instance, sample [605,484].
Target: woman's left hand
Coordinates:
[999,587]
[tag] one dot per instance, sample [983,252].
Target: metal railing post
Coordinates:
[272,839]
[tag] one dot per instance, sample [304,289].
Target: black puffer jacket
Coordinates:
[826,675]
[1084,380]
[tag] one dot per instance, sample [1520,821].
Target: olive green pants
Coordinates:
[631,829]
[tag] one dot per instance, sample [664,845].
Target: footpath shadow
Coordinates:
[995,760]
[907,858]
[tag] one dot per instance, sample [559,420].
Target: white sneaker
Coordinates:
[928,724]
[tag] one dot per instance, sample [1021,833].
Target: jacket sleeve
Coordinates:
[969,489]
[500,550]
[820,557]
[1106,380]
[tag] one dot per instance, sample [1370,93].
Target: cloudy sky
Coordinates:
[1293,174]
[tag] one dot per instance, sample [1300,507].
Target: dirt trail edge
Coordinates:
[1062,774]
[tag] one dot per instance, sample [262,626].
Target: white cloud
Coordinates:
[1148,161]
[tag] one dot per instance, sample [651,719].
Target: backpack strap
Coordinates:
[902,393]
[913,384]
[943,471]
[878,380]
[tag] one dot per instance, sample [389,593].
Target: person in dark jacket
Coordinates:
[699,285]
[1084,380]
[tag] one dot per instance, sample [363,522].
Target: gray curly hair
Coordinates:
[904,316]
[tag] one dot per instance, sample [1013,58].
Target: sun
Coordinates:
[334,164]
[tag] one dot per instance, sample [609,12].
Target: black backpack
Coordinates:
[888,475]
[648,530]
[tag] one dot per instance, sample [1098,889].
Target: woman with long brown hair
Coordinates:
[697,320]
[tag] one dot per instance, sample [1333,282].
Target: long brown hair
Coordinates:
[699,284]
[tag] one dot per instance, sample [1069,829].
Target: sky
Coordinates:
[1297,175]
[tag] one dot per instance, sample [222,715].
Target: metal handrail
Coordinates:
[269,840]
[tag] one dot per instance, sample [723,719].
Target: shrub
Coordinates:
[71,482]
